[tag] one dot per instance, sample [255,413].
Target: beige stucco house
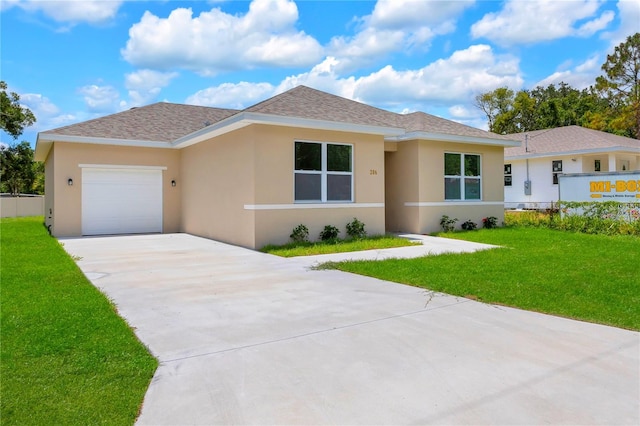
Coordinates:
[249,177]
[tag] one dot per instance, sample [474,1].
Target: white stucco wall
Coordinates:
[543,190]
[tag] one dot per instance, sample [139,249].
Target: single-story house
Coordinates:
[531,170]
[248,177]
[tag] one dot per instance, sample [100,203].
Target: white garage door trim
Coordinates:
[121,199]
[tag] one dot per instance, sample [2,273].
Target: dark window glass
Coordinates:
[507,169]
[452,164]
[308,156]
[338,187]
[471,165]
[452,189]
[471,189]
[507,181]
[308,187]
[338,158]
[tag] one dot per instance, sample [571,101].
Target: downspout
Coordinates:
[527,183]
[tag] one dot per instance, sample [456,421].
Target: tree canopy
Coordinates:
[13,116]
[19,174]
[612,104]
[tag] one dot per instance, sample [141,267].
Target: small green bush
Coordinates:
[490,222]
[469,225]
[300,234]
[447,223]
[355,229]
[589,217]
[329,233]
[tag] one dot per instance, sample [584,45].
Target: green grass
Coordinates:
[593,278]
[341,246]
[66,356]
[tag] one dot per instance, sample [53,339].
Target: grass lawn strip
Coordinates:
[67,357]
[341,246]
[587,277]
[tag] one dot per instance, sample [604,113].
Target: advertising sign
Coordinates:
[623,187]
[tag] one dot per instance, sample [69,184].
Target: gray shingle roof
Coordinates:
[305,102]
[568,139]
[167,122]
[161,122]
[422,122]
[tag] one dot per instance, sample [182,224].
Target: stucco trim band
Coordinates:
[311,206]
[120,166]
[453,203]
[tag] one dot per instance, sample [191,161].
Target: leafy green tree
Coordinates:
[546,107]
[497,103]
[621,86]
[19,174]
[13,116]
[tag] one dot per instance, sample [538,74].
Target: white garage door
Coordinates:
[121,201]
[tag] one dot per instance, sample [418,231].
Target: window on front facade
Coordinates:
[323,172]
[462,176]
[557,169]
[507,175]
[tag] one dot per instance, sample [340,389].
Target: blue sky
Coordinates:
[71,61]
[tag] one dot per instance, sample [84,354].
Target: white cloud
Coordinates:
[145,85]
[73,11]
[542,20]
[216,41]
[395,25]
[629,15]
[414,14]
[48,115]
[446,81]
[100,98]
[230,95]
[579,77]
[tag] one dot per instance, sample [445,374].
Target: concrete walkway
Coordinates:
[249,338]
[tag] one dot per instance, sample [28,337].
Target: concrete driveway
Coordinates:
[249,338]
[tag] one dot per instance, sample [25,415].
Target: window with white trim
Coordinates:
[323,172]
[462,176]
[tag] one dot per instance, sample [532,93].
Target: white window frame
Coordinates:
[462,177]
[323,172]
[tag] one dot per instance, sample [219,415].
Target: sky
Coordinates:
[72,61]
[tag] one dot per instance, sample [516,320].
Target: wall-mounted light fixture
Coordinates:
[70,182]
[173,182]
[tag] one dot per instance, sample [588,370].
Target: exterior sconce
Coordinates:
[173,182]
[70,182]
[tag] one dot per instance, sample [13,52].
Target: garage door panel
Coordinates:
[121,201]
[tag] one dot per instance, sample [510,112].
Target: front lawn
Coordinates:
[66,356]
[588,277]
[340,246]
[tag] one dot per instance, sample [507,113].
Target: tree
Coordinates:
[13,116]
[542,108]
[495,104]
[621,86]
[19,174]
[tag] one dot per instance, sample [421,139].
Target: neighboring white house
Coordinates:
[531,170]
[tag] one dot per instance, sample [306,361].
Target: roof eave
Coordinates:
[45,140]
[445,137]
[246,118]
[574,152]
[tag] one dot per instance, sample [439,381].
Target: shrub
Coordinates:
[490,222]
[469,226]
[300,234]
[447,223]
[589,217]
[355,229]
[329,233]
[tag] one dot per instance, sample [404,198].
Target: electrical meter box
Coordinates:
[527,187]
